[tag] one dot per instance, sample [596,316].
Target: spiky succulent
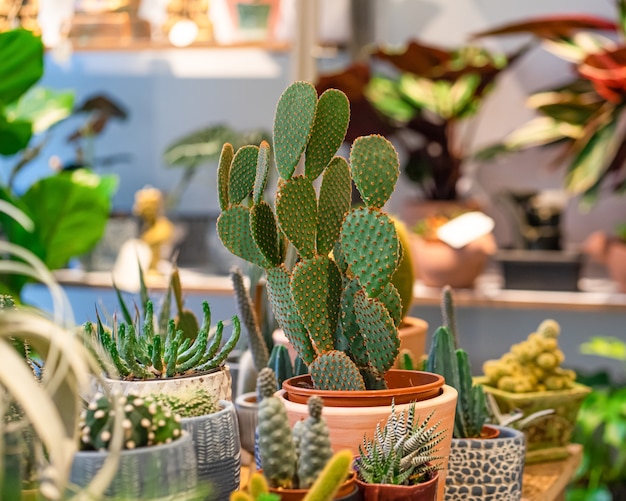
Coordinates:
[404,452]
[189,403]
[146,422]
[337,305]
[138,351]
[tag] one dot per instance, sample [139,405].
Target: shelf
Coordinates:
[547,481]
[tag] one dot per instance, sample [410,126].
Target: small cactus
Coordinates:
[190,403]
[532,365]
[314,444]
[342,284]
[146,422]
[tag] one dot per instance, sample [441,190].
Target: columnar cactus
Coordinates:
[314,449]
[276,445]
[146,422]
[139,351]
[340,291]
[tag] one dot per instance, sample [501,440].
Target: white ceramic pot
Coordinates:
[247,415]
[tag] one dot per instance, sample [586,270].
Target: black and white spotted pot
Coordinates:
[486,469]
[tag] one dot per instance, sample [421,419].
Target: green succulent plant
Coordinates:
[336,305]
[453,364]
[189,403]
[291,459]
[146,422]
[403,452]
[139,351]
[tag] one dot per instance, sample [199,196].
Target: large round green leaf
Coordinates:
[21,63]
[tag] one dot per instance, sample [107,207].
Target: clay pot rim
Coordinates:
[344,489]
[220,368]
[489,432]
[434,479]
[368,398]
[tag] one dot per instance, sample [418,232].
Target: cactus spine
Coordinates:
[146,422]
[340,284]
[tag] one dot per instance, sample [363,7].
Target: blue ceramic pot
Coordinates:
[486,469]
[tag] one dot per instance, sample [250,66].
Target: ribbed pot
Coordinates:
[247,409]
[143,473]
[486,469]
[216,442]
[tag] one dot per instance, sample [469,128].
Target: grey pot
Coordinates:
[486,469]
[143,473]
[217,449]
[247,415]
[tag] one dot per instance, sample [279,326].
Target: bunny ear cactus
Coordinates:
[340,289]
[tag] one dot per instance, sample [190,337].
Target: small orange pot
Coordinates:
[489,432]
[403,387]
[426,491]
[298,494]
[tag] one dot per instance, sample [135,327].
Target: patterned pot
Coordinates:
[143,473]
[486,469]
[216,442]
[547,438]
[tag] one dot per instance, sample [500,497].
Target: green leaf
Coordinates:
[384,95]
[14,136]
[540,131]
[70,212]
[42,107]
[591,163]
[609,347]
[21,54]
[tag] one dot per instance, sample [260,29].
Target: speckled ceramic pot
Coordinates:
[486,469]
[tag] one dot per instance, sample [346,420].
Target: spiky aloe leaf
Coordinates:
[390,297]
[285,311]
[233,228]
[262,171]
[293,121]
[335,371]
[371,248]
[296,210]
[316,290]
[186,320]
[349,325]
[329,130]
[223,175]
[265,232]
[375,169]
[333,204]
[379,331]
[242,173]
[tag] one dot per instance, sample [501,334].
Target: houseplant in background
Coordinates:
[487,457]
[610,250]
[530,378]
[69,209]
[401,461]
[351,286]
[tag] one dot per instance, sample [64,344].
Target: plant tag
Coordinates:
[464,229]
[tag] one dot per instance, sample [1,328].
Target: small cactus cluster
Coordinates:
[138,351]
[404,452]
[532,365]
[291,459]
[189,403]
[146,422]
[337,305]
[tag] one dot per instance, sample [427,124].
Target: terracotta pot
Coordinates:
[492,467]
[403,387]
[611,252]
[488,432]
[348,425]
[345,489]
[426,491]
[548,436]
[438,264]
[413,332]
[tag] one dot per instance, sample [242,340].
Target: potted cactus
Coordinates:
[212,425]
[530,378]
[401,462]
[328,266]
[291,460]
[158,457]
[486,456]
[163,355]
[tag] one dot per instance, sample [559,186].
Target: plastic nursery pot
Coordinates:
[426,491]
[480,468]
[403,387]
[345,490]
[547,437]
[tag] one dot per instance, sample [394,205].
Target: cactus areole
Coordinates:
[336,305]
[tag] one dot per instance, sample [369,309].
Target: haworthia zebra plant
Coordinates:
[139,351]
[337,305]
